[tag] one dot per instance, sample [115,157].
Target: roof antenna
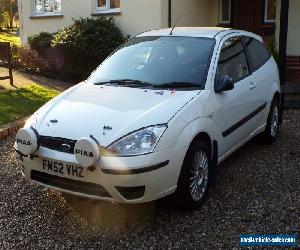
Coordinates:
[180,16]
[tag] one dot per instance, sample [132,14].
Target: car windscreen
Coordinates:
[158,61]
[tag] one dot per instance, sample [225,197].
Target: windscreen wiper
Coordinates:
[125,82]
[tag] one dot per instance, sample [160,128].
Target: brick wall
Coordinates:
[10,130]
[293,69]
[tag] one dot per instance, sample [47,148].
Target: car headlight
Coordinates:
[140,142]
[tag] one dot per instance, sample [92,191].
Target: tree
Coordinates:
[10,7]
[4,19]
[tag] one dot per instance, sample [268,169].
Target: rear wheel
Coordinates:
[192,187]
[272,127]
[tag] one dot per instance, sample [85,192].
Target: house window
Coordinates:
[107,5]
[46,7]
[270,11]
[225,11]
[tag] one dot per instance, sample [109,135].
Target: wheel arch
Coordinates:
[274,92]
[203,136]
[199,129]
[277,96]
[280,98]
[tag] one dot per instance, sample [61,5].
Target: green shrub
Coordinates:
[40,42]
[31,61]
[85,44]
[72,53]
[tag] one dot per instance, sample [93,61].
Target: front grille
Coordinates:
[57,144]
[69,184]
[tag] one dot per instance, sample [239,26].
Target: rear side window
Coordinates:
[233,61]
[257,52]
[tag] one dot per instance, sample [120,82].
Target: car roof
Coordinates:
[207,32]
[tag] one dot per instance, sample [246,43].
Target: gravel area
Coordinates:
[258,192]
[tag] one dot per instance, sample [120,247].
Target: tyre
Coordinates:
[270,134]
[193,182]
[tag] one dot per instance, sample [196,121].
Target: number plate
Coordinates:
[63,168]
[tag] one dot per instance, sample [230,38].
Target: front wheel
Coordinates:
[270,134]
[192,187]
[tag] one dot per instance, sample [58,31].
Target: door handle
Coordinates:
[252,85]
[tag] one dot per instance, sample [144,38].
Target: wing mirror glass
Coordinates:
[224,83]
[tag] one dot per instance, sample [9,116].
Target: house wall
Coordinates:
[293,39]
[164,13]
[197,13]
[136,16]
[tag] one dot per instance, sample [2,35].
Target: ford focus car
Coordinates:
[155,118]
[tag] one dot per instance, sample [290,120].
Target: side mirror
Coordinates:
[224,83]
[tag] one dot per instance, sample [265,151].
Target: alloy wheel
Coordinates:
[274,121]
[198,180]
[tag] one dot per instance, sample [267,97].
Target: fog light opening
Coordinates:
[131,193]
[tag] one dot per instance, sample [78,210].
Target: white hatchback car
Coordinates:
[156,117]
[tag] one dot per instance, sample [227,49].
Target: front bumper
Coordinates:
[135,179]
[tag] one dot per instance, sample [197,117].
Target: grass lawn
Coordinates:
[8,37]
[18,103]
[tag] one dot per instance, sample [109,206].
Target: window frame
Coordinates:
[266,20]
[242,51]
[107,8]
[221,21]
[249,57]
[43,13]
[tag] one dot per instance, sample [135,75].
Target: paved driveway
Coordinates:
[258,192]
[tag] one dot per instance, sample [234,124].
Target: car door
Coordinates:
[260,68]
[234,108]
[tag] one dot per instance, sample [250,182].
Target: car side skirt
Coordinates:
[243,142]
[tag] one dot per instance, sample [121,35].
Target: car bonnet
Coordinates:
[109,112]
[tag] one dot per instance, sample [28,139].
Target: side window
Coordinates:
[233,60]
[257,52]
